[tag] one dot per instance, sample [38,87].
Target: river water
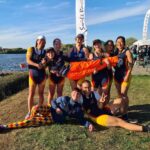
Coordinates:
[11,62]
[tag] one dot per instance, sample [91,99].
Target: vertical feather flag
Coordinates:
[80,19]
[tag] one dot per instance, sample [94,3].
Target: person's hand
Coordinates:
[54,71]
[43,61]
[91,128]
[108,63]
[39,66]
[95,71]
[23,66]
[106,55]
[90,57]
[58,111]
[58,75]
[103,98]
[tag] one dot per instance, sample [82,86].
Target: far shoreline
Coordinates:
[12,53]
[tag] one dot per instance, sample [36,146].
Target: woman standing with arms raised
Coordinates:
[77,53]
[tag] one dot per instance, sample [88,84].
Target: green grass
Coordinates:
[11,83]
[74,137]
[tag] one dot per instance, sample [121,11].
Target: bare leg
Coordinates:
[73,84]
[118,88]
[51,92]
[109,88]
[41,93]
[34,120]
[124,90]
[100,91]
[114,121]
[32,89]
[60,89]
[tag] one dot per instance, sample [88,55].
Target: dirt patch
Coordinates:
[140,70]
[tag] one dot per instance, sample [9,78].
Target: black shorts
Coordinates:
[100,79]
[119,75]
[55,79]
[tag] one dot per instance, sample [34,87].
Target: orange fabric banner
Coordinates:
[81,69]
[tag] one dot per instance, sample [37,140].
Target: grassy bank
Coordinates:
[13,51]
[74,137]
[11,83]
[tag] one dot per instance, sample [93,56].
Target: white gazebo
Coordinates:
[142,42]
[145,40]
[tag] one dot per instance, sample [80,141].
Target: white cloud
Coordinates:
[61,5]
[118,14]
[23,37]
[35,6]
[30,6]
[43,6]
[132,2]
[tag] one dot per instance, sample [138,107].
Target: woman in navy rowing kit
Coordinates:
[56,81]
[37,75]
[109,47]
[100,79]
[78,53]
[123,70]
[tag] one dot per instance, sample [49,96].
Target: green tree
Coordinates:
[130,41]
[66,47]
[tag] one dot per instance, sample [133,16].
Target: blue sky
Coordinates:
[23,20]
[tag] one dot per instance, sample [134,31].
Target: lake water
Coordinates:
[11,62]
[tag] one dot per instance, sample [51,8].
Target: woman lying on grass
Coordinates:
[103,116]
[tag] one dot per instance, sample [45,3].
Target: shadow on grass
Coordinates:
[3,131]
[140,112]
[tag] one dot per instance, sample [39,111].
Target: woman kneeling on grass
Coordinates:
[103,116]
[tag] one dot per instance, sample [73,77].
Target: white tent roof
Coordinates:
[142,42]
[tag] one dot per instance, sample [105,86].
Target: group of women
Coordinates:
[104,64]
[101,80]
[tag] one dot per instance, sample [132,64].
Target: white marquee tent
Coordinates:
[142,42]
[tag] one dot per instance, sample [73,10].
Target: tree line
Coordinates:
[65,47]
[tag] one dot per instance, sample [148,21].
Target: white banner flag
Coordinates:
[80,19]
